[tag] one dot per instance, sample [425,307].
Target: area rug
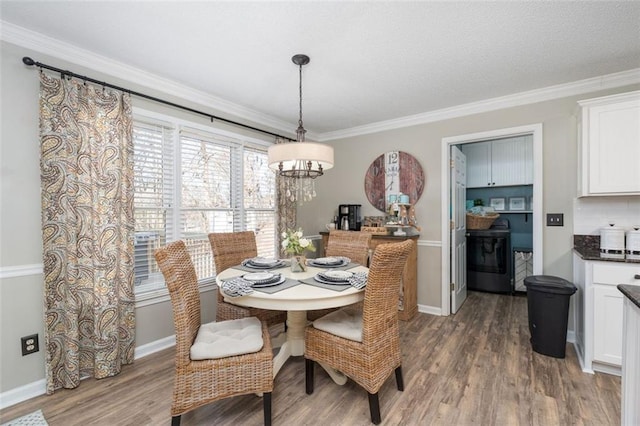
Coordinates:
[34,419]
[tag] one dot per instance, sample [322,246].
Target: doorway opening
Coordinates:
[448,288]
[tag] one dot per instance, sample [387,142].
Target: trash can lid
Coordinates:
[550,284]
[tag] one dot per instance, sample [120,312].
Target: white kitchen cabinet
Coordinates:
[607,316]
[500,162]
[598,317]
[631,365]
[609,145]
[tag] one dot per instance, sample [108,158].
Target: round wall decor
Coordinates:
[391,174]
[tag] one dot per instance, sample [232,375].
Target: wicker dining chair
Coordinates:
[230,249]
[202,381]
[352,244]
[369,353]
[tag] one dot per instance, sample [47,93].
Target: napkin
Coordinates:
[236,287]
[359,280]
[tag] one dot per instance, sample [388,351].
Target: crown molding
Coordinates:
[40,43]
[67,52]
[588,85]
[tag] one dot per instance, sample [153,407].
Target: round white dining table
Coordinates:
[296,301]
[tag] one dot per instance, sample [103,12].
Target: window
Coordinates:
[190,181]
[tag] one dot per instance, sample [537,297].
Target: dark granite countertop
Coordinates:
[588,248]
[632,292]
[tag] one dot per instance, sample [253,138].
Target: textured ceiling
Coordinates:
[370,61]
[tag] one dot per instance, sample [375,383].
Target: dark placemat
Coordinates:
[311,281]
[276,288]
[339,268]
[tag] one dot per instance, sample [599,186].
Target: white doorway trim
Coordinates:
[536,131]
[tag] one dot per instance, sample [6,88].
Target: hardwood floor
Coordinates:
[476,367]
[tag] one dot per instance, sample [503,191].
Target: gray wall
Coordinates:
[345,182]
[21,310]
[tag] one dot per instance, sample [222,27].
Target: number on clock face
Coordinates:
[391,166]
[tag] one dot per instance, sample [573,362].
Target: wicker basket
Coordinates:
[481,222]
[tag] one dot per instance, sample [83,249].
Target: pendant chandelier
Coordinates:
[300,162]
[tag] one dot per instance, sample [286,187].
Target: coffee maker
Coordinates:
[349,218]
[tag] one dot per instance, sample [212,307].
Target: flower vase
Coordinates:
[298,263]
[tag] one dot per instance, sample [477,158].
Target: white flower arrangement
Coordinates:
[294,243]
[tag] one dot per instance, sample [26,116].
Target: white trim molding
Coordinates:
[22,393]
[155,346]
[431,310]
[558,91]
[40,43]
[39,387]
[21,270]
[534,129]
[429,243]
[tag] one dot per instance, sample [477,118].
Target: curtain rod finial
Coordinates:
[28,61]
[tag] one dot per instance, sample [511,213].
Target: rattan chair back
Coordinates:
[352,244]
[371,361]
[380,307]
[181,279]
[200,382]
[230,249]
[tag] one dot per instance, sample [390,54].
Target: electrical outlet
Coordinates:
[555,219]
[29,344]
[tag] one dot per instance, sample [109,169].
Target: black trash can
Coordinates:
[548,303]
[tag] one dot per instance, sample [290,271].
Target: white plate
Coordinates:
[263,261]
[327,260]
[260,285]
[338,275]
[258,276]
[323,281]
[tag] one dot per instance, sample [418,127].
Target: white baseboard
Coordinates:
[39,387]
[153,347]
[571,336]
[431,310]
[22,393]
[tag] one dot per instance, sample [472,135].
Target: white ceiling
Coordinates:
[370,61]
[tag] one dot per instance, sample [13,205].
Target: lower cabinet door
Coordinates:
[607,324]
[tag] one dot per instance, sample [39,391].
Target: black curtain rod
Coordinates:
[30,62]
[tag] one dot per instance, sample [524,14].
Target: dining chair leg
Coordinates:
[399,380]
[175,421]
[309,366]
[266,402]
[374,408]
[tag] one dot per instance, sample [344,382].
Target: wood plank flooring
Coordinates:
[474,368]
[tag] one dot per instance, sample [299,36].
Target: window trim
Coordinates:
[161,295]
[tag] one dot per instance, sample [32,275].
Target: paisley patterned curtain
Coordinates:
[287,209]
[86,168]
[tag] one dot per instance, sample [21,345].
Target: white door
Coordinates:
[458,229]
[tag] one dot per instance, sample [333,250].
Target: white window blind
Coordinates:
[260,200]
[190,182]
[153,199]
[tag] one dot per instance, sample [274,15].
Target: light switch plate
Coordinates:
[555,219]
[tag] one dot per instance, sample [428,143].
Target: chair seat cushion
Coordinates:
[227,338]
[345,322]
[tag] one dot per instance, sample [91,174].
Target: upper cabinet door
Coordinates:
[508,161]
[609,148]
[478,164]
[500,162]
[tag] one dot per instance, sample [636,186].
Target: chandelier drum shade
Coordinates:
[300,160]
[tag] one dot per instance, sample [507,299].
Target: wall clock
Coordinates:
[392,173]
